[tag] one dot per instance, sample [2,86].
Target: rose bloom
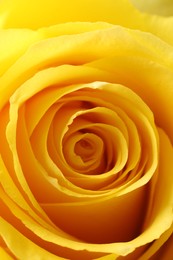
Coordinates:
[86,131]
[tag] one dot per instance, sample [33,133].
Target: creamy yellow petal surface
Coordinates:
[36,14]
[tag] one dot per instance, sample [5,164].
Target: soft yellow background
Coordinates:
[159,7]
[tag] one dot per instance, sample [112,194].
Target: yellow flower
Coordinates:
[86,131]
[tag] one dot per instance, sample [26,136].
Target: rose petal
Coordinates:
[4,255]
[161,203]
[166,250]
[21,40]
[18,14]
[24,38]
[141,72]
[20,246]
[101,221]
[71,49]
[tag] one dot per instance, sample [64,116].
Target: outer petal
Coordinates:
[35,14]
[166,250]
[20,246]
[45,13]
[165,178]
[14,42]
[21,39]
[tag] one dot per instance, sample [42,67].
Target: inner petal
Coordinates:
[88,146]
[83,151]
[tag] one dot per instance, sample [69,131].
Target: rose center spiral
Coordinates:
[85,149]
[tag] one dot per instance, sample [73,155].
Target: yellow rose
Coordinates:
[86,131]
